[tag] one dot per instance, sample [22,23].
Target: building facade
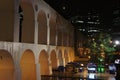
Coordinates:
[34,40]
[87,26]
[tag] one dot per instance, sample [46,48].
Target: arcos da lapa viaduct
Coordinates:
[34,39]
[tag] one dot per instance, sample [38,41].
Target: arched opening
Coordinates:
[71,54]
[59,22]
[6,66]
[53,59]
[44,64]
[28,24]
[66,57]
[28,67]
[42,28]
[7,20]
[60,58]
[53,32]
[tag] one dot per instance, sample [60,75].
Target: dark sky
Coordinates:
[70,8]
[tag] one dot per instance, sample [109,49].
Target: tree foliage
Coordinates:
[101,46]
[102,42]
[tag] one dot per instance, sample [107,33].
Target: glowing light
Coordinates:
[117,42]
[63,7]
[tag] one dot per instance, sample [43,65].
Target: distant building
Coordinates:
[115,30]
[116,19]
[89,24]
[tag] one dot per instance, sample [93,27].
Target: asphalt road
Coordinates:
[96,76]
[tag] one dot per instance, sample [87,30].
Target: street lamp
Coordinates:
[117,42]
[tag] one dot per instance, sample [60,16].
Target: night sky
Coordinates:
[71,8]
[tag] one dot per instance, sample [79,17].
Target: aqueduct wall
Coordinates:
[34,40]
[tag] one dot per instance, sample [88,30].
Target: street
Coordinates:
[79,76]
[101,76]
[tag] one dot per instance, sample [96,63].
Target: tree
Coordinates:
[101,46]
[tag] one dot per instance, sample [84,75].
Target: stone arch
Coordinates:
[44,63]
[28,24]
[53,59]
[6,66]
[42,27]
[66,56]
[27,65]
